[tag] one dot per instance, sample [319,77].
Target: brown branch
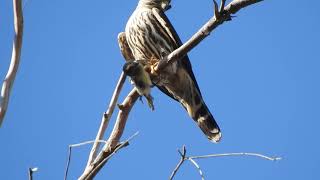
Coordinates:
[98,167]
[15,59]
[113,141]
[106,118]
[127,54]
[219,18]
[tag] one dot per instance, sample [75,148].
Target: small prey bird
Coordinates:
[140,79]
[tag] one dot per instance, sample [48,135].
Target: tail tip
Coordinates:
[215,135]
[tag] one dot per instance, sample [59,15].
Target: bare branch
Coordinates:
[127,54]
[87,142]
[106,118]
[237,154]
[15,59]
[183,158]
[223,2]
[31,171]
[118,147]
[214,22]
[197,166]
[70,153]
[236,5]
[68,163]
[192,159]
[113,141]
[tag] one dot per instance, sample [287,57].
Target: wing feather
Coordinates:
[171,32]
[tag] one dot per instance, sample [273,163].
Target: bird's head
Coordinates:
[131,68]
[163,4]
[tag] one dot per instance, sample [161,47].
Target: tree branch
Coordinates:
[219,18]
[127,54]
[113,141]
[106,118]
[15,59]
[183,158]
[237,154]
[197,166]
[192,159]
[31,171]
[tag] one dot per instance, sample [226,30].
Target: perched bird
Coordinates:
[150,36]
[140,79]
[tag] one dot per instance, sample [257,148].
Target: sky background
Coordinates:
[259,75]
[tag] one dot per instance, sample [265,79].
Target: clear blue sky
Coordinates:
[259,75]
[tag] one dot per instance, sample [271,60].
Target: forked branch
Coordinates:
[192,159]
[112,144]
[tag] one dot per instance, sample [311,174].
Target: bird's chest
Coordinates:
[145,38]
[148,42]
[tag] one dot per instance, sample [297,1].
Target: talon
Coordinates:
[150,102]
[148,69]
[153,70]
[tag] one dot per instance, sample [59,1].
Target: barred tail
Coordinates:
[207,123]
[184,89]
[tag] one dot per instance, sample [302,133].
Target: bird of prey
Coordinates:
[151,37]
[140,79]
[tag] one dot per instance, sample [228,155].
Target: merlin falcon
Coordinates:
[151,37]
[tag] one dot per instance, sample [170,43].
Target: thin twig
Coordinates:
[106,118]
[197,166]
[102,159]
[123,144]
[15,59]
[68,163]
[192,159]
[237,154]
[70,152]
[223,2]
[87,142]
[30,172]
[182,159]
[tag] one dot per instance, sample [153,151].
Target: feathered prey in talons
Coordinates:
[140,79]
[150,34]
